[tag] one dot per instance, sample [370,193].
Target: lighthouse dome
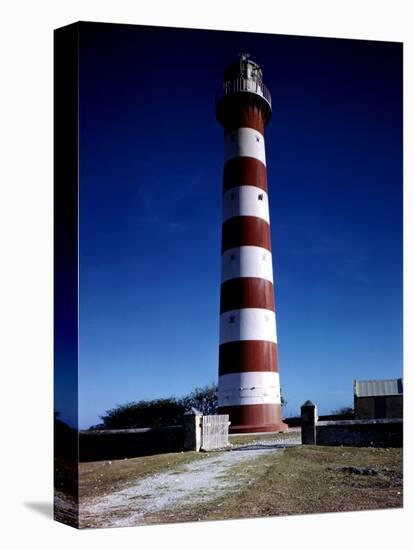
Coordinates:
[243,81]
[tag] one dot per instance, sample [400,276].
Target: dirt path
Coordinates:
[198,481]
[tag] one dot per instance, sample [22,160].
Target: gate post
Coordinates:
[192,428]
[309,419]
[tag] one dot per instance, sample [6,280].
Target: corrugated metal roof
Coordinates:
[369,388]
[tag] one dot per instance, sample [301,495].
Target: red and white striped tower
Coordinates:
[249,387]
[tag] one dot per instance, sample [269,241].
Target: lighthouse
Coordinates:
[249,385]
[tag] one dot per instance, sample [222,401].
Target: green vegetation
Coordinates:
[347,412]
[159,412]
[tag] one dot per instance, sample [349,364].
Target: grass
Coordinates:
[298,480]
[103,477]
[303,480]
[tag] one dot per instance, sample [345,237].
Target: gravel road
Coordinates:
[198,481]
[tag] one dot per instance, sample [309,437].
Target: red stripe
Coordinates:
[245,171]
[244,115]
[254,418]
[248,356]
[243,108]
[244,231]
[247,292]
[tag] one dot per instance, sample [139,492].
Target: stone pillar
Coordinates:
[192,426]
[309,419]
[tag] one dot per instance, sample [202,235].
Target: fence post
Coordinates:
[192,427]
[308,423]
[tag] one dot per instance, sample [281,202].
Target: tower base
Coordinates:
[243,429]
[254,418]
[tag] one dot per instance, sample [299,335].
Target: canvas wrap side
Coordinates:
[66,103]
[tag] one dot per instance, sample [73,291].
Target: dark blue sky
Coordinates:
[151,158]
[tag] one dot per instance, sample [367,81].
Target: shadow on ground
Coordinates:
[260,447]
[45,509]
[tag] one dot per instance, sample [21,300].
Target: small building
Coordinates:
[378,399]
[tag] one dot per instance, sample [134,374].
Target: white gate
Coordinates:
[214,432]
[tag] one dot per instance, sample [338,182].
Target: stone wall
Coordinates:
[295,421]
[117,444]
[361,433]
[383,432]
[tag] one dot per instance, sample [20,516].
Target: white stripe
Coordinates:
[249,388]
[244,142]
[246,200]
[246,261]
[248,324]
